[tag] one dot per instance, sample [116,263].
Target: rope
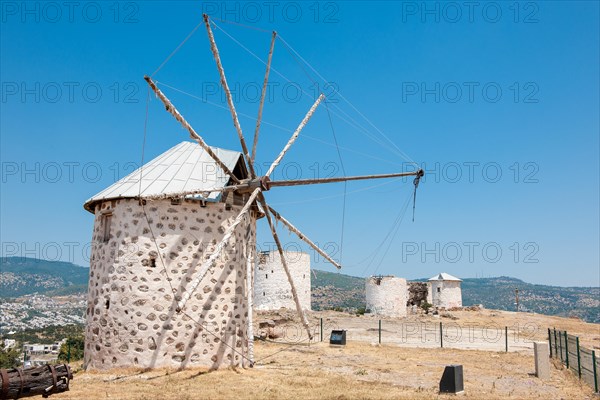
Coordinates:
[352,122]
[144,141]
[282,128]
[177,48]
[416,183]
[289,345]
[375,252]
[142,202]
[238,24]
[403,213]
[345,183]
[336,195]
[350,104]
[216,336]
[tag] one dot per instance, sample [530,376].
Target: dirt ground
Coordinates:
[477,330]
[360,370]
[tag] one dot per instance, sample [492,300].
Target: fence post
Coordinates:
[441,335]
[321,329]
[578,359]
[550,342]
[506,338]
[566,350]
[555,344]
[595,371]
[560,345]
[379,331]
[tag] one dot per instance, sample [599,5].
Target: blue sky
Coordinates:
[498,103]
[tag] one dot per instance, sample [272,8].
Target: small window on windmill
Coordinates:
[439,290]
[152,262]
[105,221]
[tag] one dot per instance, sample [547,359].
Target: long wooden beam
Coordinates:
[285,267]
[209,262]
[247,186]
[250,262]
[236,122]
[298,182]
[295,135]
[303,237]
[262,97]
[173,111]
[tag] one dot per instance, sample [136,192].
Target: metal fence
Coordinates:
[429,334]
[582,361]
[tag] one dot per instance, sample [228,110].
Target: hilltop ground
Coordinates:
[404,369]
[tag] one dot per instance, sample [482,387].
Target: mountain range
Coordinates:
[22,276]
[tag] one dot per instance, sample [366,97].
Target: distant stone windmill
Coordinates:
[171,221]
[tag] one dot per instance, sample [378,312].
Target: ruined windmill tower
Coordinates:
[172,264]
[386,296]
[271,291]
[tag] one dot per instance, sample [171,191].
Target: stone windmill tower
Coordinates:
[171,270]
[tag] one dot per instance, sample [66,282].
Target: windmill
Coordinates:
[241,182]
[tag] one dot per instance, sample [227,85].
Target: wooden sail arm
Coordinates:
[303,237]
[248,185]
[295,135]
[298,182]
[213,257]
[301,313]
[234,116]
[250,260]
[262,98]
[173,111]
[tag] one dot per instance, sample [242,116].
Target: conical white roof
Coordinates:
[444,277]
[185,168]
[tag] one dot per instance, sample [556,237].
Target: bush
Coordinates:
[9,358]
[71,349]
[426,306]
[361,310]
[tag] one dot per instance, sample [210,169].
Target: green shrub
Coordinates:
[72,349]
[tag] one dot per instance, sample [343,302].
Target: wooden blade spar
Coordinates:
[290,142]
[213,257]
[173,111]
[299,182]
[262,98]
[234,116]
[285,268]
[250,262]
[301,235]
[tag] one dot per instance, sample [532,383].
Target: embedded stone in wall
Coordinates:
[134,322]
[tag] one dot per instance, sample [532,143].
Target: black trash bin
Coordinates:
[452,379]
[338,336]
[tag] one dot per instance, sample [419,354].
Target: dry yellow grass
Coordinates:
[357,371]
